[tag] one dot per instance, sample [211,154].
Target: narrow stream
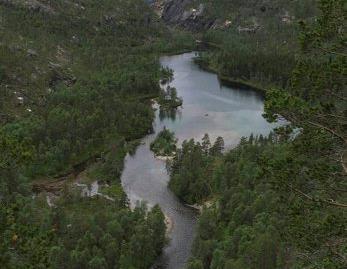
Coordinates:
[209,108]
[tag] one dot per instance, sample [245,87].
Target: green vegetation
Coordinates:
[256,40]
[76,79]
[61,238]
[280,201]
[191,167]
[168,102]
[168,99]
[164,144]
[268,214]
[78,232]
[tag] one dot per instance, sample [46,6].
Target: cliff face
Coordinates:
[33,5]
[244,16]
[184,13]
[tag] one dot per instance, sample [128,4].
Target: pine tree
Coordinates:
[206,144]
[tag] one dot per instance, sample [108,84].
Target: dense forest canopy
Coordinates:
[76,83]
[280,202]
[254,41]
[164,144]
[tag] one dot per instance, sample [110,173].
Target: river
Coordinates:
[208,107]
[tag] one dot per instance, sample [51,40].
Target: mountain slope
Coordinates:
[279,202]
[248,40]
[76,78]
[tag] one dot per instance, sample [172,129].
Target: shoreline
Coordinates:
[169,224]
[200,207]
[163,158]
[227,81]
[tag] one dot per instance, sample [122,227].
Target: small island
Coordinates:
[164,144]
[168,99]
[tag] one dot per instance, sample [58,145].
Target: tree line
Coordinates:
[279,202]
[76,81]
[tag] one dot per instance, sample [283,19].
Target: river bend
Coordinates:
[208,107]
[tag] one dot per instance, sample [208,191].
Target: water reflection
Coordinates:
[207,107]
[170,114]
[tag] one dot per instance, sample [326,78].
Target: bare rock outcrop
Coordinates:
[34,5]
[183,13]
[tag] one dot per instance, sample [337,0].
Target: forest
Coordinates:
[279,201]
[77,80]
[257,43]
[164,144]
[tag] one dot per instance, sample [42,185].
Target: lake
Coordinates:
[208,107]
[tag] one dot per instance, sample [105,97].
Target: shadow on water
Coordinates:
[170,114]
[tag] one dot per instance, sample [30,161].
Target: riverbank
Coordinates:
[230,82]
[200,207]
[226,81]
[145,176]
[169,224]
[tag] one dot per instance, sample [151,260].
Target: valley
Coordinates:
[179,134]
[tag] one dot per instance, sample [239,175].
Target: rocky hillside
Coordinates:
[248,40]
[76,77]
[245,16]
[45,44]
[183,13]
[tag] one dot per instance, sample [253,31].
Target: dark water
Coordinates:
[209,108]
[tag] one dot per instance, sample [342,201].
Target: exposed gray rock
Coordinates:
[34,5]
[183,13]
[32,53]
